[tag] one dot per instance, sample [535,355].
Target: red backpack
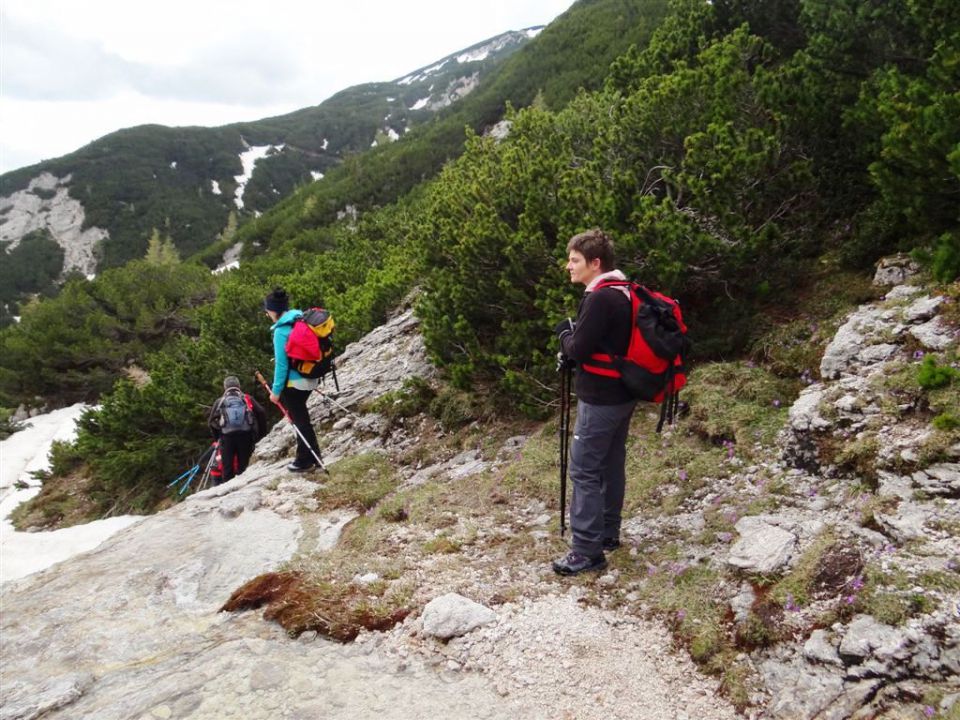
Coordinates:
[310,345]
[653,367]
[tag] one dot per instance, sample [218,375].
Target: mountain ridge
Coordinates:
[127,181]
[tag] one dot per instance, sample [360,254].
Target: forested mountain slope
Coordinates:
[187,181]
[754,167]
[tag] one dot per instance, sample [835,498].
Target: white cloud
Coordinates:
[72,70]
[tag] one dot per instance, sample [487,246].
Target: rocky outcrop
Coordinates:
[46,205]
[131,629]
[374,365]
[858,427]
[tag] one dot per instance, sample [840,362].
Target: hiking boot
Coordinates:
[573,563]
[611,544]
[298,468]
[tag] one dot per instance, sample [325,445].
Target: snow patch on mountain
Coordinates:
[248,159]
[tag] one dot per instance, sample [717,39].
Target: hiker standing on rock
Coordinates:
[237,421]
[604,405]
[290,387]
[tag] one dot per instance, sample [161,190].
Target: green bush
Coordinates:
[931,376]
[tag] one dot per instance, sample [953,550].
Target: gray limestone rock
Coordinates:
[940,479]
[935,334]
[22,701]
[895,269]
[922,309]
[907,522]
[742,602]
[762,547]
[63,217]
[866,637]
[453,615]
[798,690]
[820,648]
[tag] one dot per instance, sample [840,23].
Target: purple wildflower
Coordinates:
[918,354]
[724,537]
[850,599]
[682,474]
[731,516]
[790,605]
[857,583]
[776,403]
[681,614]
[928,711]
[651,570]
[812,492]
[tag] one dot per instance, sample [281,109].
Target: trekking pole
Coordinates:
[192,471]
[339,405]
[565,381]
[286,414]
[205,479]
[206,471]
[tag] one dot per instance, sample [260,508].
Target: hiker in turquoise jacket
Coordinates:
[290,387]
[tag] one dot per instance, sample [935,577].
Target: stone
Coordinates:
[798,690]
[453,615]
[762,548]
[819,648]
[23,701]
[940,479]
[804,414]
[907,522]
[922,309]
[865,636]
[854,696]
[742,602]
[935,334]
[895,269]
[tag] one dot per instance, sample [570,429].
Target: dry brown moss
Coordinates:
[338,612]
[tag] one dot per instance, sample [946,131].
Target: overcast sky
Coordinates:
[71,71]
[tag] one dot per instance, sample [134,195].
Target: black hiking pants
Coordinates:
[295,401]
[239,446]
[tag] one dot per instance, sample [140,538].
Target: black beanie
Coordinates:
[277,301]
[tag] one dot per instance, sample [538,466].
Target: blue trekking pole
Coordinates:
[211,451]
[191,471]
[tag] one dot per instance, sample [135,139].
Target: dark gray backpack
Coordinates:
[236,413]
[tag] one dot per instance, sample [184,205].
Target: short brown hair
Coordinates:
[593,244]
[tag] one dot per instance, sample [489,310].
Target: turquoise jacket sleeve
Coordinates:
[281,363]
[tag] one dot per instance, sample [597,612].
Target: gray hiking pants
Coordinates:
[598,454]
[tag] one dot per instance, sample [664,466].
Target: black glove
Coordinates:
[564,363]
[564,327]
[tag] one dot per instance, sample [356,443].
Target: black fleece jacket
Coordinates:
[603,326]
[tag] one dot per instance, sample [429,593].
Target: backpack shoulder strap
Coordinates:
[613,283]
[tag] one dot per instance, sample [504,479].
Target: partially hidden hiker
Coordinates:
[604,405]
[290,387]
[237,421]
